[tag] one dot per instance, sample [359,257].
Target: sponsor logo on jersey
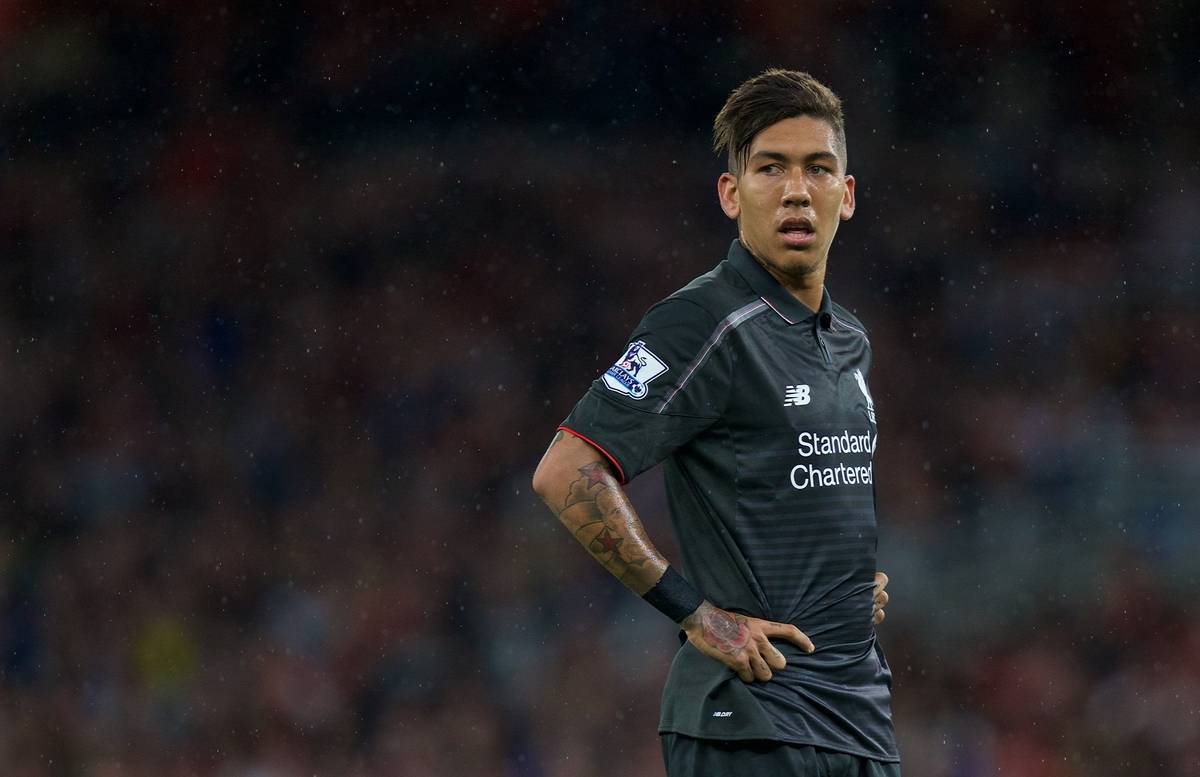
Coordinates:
[634,370]
[812,445]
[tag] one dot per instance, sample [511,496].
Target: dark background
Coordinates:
[295,295]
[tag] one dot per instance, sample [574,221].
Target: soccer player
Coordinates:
[751,383]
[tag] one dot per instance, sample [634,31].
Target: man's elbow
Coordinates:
[548,471]
[541,478]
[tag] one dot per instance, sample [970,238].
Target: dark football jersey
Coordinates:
[760,408]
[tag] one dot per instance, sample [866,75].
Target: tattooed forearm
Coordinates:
[598,513]
[725,631]
[581,491]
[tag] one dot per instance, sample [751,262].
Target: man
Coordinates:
[751,383]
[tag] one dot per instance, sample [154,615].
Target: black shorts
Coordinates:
[690,757]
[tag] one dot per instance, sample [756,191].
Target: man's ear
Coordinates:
[848,199]
[727,193]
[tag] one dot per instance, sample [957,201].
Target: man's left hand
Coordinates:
[881,598]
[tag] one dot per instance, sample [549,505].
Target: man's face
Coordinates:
[790,197]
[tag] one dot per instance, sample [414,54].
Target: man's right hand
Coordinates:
[740,642]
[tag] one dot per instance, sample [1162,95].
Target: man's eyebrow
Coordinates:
[821,156]
[779,156]
[776,155]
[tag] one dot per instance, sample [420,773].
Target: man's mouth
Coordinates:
[797,232]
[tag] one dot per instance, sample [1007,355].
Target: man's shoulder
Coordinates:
[708,298]
[848,318]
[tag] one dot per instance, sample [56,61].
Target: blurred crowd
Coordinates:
[295,295]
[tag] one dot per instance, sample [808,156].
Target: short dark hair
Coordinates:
[770,97]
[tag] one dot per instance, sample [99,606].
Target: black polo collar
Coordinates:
[778,298]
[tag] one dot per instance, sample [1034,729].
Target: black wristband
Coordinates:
[674,596]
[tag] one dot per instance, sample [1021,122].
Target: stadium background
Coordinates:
[295,294]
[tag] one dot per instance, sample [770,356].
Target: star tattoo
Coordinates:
[594,473]
[608,541]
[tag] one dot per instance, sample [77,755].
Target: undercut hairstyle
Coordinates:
[770,97]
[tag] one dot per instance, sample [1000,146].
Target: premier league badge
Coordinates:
[634,370]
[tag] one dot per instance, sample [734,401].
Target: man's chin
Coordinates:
[797,263]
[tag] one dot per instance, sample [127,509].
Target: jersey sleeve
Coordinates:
[669,384]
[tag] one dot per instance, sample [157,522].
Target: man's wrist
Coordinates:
[674,596]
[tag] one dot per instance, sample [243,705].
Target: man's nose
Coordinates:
[795,190]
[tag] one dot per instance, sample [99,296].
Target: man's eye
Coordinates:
[771,168]
[818,170]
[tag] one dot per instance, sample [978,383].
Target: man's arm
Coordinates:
[576,483]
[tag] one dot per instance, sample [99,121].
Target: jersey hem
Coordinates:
[891,759]
[599,447]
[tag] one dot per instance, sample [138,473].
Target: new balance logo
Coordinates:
[796,395]
[723,714]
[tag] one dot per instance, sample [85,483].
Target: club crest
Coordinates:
[862,386]
[634,370]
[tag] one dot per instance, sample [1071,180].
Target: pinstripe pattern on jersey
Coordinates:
[811,552]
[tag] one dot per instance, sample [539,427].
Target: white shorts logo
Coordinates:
[634,370]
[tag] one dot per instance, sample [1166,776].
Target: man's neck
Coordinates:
[810,292]
[808,288]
